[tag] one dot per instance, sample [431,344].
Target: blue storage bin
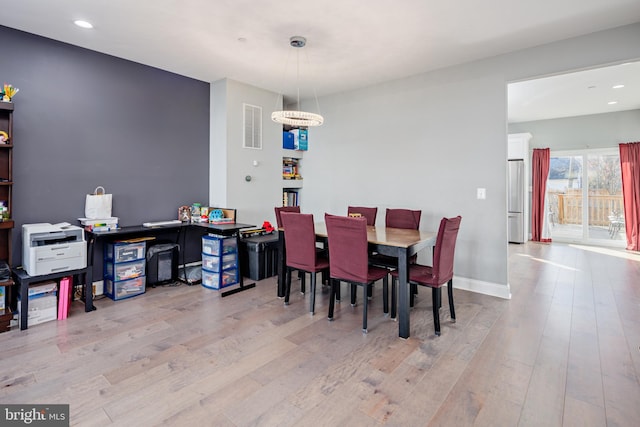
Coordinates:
[218,280]
[214,245]
[288,140]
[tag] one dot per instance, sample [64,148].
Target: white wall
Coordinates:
[230,163]
[577,133]
[430,140]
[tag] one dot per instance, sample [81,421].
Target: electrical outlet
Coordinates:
[482,193]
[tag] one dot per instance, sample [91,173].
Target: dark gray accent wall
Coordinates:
[84,119]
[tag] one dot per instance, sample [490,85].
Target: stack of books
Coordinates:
[105,224]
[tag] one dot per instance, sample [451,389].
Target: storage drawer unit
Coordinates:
[215,280]
[212,245]
[216,263]
[117,290]
[124,270]
[124,251]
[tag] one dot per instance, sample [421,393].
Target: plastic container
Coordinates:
[124,288]
[124,270]
[214,245]
[216,263]
[215,280]
[124,251]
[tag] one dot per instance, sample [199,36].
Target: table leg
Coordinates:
[403,293]
[282,264]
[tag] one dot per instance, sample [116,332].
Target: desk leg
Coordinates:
[88,276]
[24,301]
[282,263]
[88,293]
[403,293]
[242,287]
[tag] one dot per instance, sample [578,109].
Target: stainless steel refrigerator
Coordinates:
[515,197]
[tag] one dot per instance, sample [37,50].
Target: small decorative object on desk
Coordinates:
[184,213]
[8,92]
[195,212]
[4,137]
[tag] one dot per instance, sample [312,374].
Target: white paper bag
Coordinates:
[98,204]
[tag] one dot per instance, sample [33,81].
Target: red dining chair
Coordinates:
[300,243]
[348,258]
[279,210]
[398,218]
[439,274]
[403,218]
[368,213]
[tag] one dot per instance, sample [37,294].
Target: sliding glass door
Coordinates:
[584,191]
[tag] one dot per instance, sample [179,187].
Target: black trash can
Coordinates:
[162,263]
[259,256]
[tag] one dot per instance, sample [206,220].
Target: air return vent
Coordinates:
[252,137]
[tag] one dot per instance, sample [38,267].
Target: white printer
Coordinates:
[52,248]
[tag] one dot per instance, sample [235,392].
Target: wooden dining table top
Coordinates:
[398,237]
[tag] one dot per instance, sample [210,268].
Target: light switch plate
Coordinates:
[482,193]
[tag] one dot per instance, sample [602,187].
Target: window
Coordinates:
[584,192]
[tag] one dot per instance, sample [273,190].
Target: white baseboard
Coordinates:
[481,287]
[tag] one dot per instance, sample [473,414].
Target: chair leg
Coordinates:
[312,299]
[394,297]
[353,295]
[303,277]
[287,288]
[412,295]
[385,294]
[337,290]
[436,296]
[364,310]
[370,291]
[451,309]
[332,295]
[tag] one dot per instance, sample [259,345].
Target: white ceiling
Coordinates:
[351,43]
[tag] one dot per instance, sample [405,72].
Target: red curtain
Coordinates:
[540,172]
[630,168]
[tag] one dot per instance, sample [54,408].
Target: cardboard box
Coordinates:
[41,309]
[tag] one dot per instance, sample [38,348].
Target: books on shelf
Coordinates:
[290,198]
[102,224]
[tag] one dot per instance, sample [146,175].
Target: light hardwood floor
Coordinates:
[564,351]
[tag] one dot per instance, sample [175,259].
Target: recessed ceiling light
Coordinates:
[83,24]
[618,86]
[612,102]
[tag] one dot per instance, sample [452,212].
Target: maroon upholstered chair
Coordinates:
[398,218]
[368,213]
[348,258]
[279,210]
[440,273]
[403,218]
[300,243]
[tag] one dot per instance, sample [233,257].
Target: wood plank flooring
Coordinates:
[564,351]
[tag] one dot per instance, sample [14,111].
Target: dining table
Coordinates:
[396,242]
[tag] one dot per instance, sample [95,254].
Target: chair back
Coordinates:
[300,240]
[368,213]
[348,256]
[403,218]
[445,248]
[295,209]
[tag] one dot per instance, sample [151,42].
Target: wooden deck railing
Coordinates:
[567,208]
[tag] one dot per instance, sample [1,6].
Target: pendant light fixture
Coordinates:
[294,117]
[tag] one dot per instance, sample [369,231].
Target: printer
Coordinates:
[52,248]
